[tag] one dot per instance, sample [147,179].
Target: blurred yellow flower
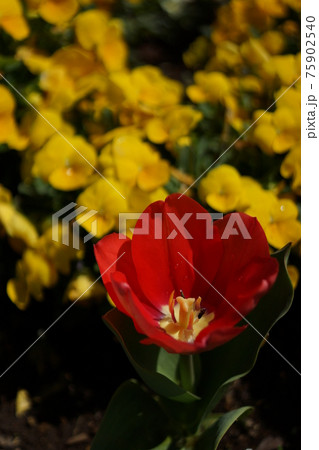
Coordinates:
[145,92]
[135,163]
[278,217]
[33,59]
[210,87]
[84,287]
[197,52]
[221,188]
[294,275]
[285,68]
[55,251]
[95,30]
[227,57]
[9,132]
[57,11]
[17,227]
[33,273]
[66,165]
[12,20]
[249,194]
[279,131]
[291,167]
[72,74]
[173,126]
[101,197]
[254,52]
[273,41]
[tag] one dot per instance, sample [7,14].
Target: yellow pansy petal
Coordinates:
[84,287]
[58,11]
[281,233]
[293,273]
[113,54]
[69,178]
[196,94]
[90,27]
[154,176]
[18,293]
[16,26]
[221,189]
[127,171]
[264,136]
[283,142]
[7,102]
[16,225]
[156,132]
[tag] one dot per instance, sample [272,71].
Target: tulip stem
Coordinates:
[187,372]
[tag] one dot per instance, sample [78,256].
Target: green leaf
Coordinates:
[211,437]
[157,368]
[133,420]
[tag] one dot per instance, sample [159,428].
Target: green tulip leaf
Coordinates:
[157,368]
[211,437]
[133,420]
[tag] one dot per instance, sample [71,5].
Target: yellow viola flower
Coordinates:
[113,51]
[221,188]
[242,15]
[227,57]
[273,41]
[50,244]
[9,132]
[135,163]
[17,227]
[66,165]
[210,87]
[279,131]
[285,68]
[33,274]
[12,20]
[83,288]
[273,8]
[197,52]
[294,275]
[250,193]
[254,52]
[5,195]
[278,217]
[72,74]
[101,140]
[57,11]
[143,93]
[95,30]
[102,197]
[90,27]
[33,59]
[40,130]
[250,83]
[291,167]
[175,125]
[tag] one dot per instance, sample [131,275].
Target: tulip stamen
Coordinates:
[171,304]
[184,319]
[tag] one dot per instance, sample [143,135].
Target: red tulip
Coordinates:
[185,283]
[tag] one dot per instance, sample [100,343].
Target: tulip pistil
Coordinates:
[184,319]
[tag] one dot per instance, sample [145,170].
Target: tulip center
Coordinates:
[184,318]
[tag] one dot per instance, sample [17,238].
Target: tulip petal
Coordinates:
[175,243]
